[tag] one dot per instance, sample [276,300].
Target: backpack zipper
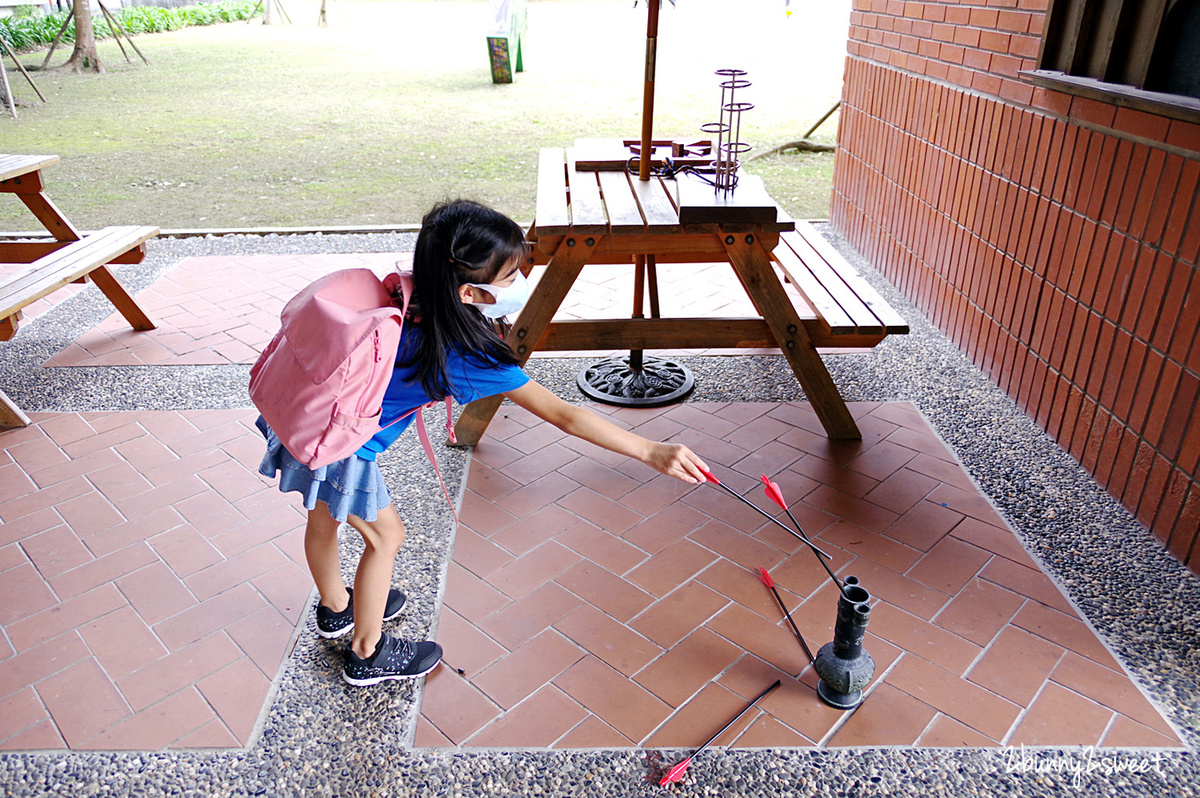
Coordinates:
[373,372]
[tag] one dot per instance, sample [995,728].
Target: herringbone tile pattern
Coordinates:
[208,313]
[592,603]
[150,580]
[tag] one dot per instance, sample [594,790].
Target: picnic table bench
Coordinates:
[591,216]
[51,264]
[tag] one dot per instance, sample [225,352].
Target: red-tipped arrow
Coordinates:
[676,773]
[772,490]
[769,582]
[801,537]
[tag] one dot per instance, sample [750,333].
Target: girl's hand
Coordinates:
[677,460]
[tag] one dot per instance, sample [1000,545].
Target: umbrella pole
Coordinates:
[648,92]
[640,381]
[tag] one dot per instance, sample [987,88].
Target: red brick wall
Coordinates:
[1055,239]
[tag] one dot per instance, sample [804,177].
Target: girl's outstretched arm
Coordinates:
[672,459]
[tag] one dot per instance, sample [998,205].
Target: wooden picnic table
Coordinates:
[68,256]
[588,217]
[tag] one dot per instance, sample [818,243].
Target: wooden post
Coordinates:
[8,95]
[120,31]
[121,299]
[648,92]
[17,61]
[116,33]
[10,414]
[753,266]
[58,38]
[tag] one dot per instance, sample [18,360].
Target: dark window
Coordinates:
[1108,40]
[1141,53]
[1175,66]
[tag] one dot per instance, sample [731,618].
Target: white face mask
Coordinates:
[509,299]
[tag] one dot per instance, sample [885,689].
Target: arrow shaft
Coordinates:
[792,623]
[736,718]
[828,570]
[773,520]
[676,773]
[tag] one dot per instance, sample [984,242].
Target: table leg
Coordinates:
[121,299]
[561,272]
[50,216]
[753,266]
[30,189]
[10,414]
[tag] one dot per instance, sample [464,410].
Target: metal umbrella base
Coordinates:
[636,381]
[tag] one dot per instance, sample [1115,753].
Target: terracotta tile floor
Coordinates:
[150,581]
[227,322]
[593,603]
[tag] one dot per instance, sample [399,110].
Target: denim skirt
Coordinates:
[352,486]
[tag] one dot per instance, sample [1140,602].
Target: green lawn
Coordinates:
[391,108]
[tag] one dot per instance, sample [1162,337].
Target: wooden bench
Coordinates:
[847,311]
[54,264]
[843,311]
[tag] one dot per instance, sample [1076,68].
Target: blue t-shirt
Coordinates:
[469,378]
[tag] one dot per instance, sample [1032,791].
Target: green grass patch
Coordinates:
[391,108]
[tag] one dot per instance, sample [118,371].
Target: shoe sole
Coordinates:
[345,630]
[391,677]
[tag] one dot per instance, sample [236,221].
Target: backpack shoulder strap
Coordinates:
[423,434]
[450,420]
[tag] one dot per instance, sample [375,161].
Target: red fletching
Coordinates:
[675,774]
[773,491]
[765,577]
[709,476]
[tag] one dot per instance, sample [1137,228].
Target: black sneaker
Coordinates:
[393,659]
[335,624]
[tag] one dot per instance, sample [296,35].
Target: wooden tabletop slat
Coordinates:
[16,165]
[552,214]
[893,323]
[624,216]
[587,208]
[658,208]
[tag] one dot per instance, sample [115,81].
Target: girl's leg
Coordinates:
[383,538]
[321,551]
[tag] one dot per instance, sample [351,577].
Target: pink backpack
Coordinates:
[319,383]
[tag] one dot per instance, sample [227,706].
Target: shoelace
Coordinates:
[403,652]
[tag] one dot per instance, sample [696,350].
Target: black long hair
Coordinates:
[460,242]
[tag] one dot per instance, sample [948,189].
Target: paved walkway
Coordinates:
[596,605]
[151,581]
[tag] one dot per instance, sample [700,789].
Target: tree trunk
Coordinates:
[85,58]
[268,12]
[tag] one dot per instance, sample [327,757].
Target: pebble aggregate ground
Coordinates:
[321,737]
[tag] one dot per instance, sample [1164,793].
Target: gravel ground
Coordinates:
[320,737]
